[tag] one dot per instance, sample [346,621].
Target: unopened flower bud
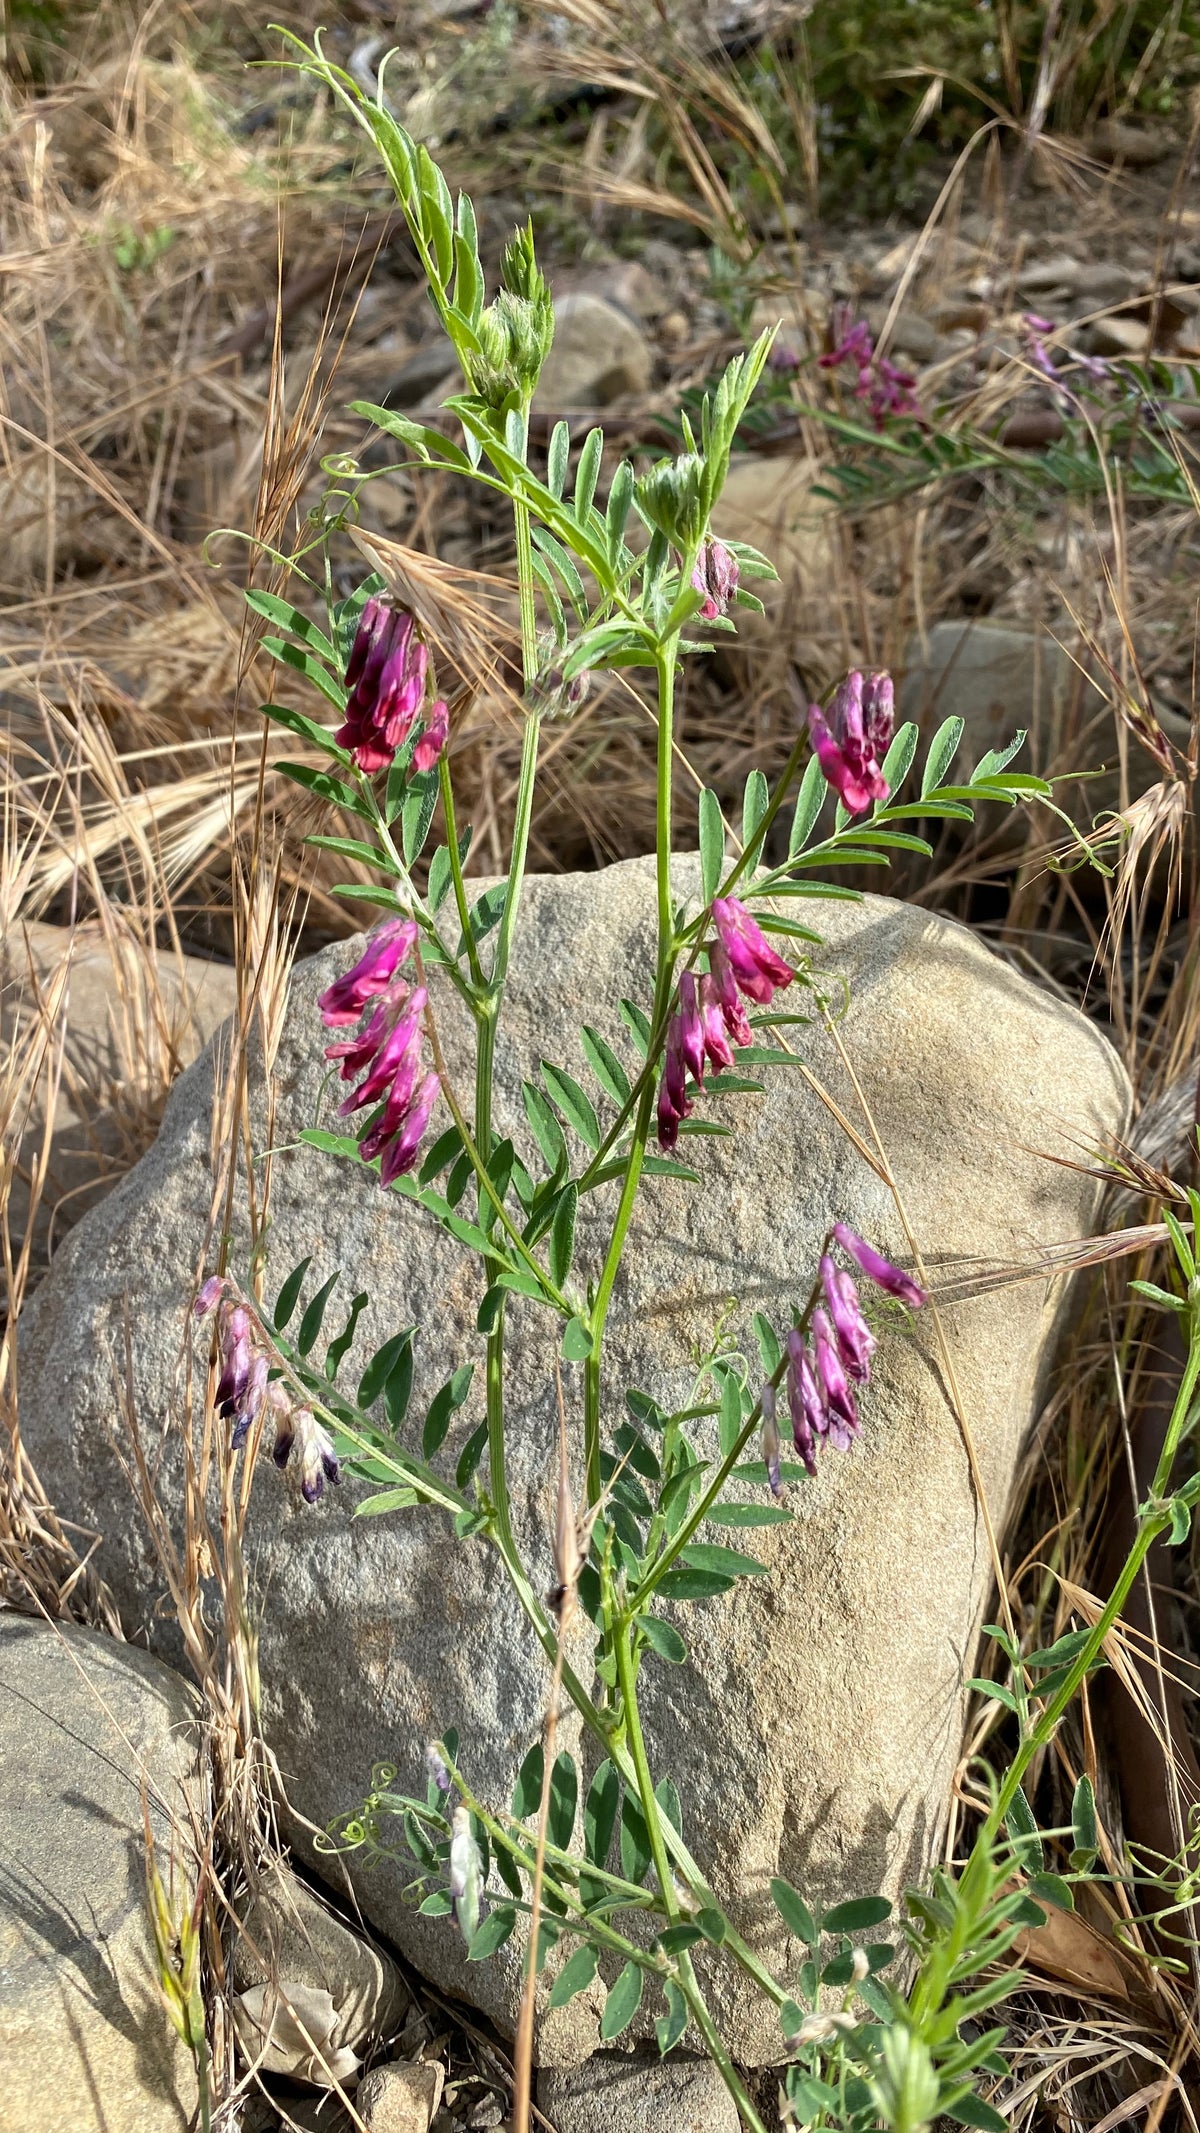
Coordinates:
[669,496]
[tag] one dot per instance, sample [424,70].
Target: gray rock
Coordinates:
[638,2095]
[85,1723]
[291,1942]
[599,355]
[773,504]
[998,678]
[815,1730]
[402,2097]
[128,1020]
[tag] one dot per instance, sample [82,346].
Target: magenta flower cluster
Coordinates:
[824,1370]
[386,676]
[887,391]
[710,1017]
[247,1393]
[852,736]
[387,1051]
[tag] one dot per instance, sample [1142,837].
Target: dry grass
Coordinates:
[147,221]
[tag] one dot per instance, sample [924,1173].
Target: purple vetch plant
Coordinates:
[597,592]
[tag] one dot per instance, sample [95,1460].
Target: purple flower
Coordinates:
[804,1401]
[673,1100]
[433,737]
[209,1296]
[770,1438]
[395,1060]
[841,1412]
[716,576]
[887,390]
[401,1153]
[298,1429]
[879,1270]
[850,740]
[691,1029]
[236,1358]
[855,1341]
[435,1763]
[385,675]
[855,346]
[251,1405]
[726,996]
[758,971]
[893,393]
[387,947]
[714,1023]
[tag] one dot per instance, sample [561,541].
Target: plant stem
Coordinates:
[456,872]
[622,1637]
[485,1057]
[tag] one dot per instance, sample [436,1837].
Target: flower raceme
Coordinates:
[887,390]
[246,1393]
[710,1017]
[387,1052]
[824,1369]
[851,738]
[386,676]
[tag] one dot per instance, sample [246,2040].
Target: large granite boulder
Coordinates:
[815,1728]
[88,1727]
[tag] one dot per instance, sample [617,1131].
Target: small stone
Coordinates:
[1042,275]
[598,356]
[623,282]
[1105,282]
[1118,336]
[85,1724]
[619,2093]
[909,335]
[293,1948]
[401,2097]
[772,504]
[675,328]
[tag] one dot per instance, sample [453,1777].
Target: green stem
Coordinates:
[623,1635]
[485,1060]
[716,2046]
[456,872]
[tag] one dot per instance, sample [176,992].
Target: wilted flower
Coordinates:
[209,1296]
[387,947]
[385,675]
[233,1334]
[851,739]
[758,971]
[879,1270]
[770,1438]
[673,1100]
[716,576]
[433,737]
[841,1412]
[300,1431]
[466,1874]
[856,1343]
[804,1401]
[435,1763]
